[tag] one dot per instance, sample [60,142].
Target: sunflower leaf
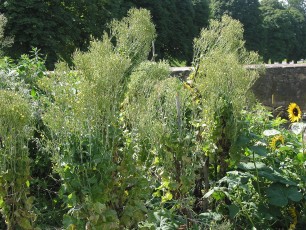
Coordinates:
[293,194]
[277,195]
[251,166]
[271,132]
[259,150]
[298,127]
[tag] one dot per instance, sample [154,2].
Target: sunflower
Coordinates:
[276,141]
[294,112]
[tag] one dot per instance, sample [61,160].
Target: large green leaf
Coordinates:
[276,195]
[259,150]
[275,177]
[279,194]
[301,157]
[233,210]
[293,194]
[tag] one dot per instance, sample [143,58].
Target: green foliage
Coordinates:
[284,28]
[276,29]
[58,27]
[100,183]
[127,38]
[22,78]
[269,181]
[156,108]
[15,128]
[248,13]
[4,41]
[119,144]
[223,82]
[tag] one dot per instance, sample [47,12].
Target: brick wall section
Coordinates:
[287,82]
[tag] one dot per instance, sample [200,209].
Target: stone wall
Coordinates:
[278,86]
[282,84]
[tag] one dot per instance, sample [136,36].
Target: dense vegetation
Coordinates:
[114,142]
[60,27]
[275,29]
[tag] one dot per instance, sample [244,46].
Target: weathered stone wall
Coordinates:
[284,83]
[278,86]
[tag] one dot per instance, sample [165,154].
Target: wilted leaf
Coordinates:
[298,127]
[29,202]
[271,132]
[250,166]
[99,208]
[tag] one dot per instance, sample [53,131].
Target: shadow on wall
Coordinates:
[282,84]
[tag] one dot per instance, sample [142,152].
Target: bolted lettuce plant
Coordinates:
[86,136]
[15,130]
[224,86]
[157,112]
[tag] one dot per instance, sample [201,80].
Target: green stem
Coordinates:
[245,212]
[303,144]
[257,176]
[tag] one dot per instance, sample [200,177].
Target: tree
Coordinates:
[59,27]
[284,30]
[43,24]
[56,27]
[248,13]
[298,7]
[298,4]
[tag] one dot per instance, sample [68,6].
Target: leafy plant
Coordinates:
[269,183]
[221,88]
[15,129]
[100,185]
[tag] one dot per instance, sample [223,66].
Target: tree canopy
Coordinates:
[285,29]
[275,29]
[248,13]
[59,27]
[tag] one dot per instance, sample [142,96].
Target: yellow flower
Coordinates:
[276,141]
[294,112]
